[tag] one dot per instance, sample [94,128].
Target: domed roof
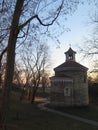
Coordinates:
[70,65]
[70,51]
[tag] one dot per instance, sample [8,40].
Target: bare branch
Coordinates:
[92,53]
[40,21]
[48,24]
[1,55]
[28,21]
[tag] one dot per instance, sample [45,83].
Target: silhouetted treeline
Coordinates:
[17,87]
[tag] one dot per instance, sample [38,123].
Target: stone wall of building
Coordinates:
[71,93]
[57,95]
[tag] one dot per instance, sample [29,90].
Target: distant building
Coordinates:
[69,86]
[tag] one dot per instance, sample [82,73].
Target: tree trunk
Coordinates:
[14,31]
[1,56]
[36,84]
[34,94]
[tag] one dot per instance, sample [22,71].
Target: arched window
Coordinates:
[70,56]
[67,91]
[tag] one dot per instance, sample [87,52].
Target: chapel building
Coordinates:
[69,86]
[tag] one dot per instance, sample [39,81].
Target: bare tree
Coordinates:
[90,46]
[18,72]
[23,14]
[45,81]
[36,63]
[89,49]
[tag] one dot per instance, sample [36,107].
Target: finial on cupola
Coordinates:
[69,45]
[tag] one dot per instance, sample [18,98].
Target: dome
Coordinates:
[71,65]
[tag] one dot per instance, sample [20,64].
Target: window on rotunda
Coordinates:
[70,56]
[67,91]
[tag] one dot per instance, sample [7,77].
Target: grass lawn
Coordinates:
[89,112]
[25,116]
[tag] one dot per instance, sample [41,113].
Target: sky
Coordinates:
[80,26]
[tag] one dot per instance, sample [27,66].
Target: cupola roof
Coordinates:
[70,63]
[70,51]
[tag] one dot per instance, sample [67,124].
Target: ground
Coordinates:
[25,116]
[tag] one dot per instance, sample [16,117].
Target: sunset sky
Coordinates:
[80,26]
